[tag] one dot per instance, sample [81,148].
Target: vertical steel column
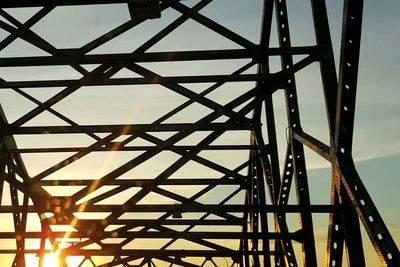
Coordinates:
[268,103]
[263,211]
[258,177]
[19,224]
[3,162]
[254,202]
[348,71]
[288,256]
[244,246]
[19,218]
[3,172]
[335,244]
[271,168]
[299,165]
[329,83]
[42,244]
[355,191]
[327,62]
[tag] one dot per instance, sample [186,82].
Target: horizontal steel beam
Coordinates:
[115,146]
[147,222]
[275,80]
[144,252]
[143,182]
[149,235]
[74,56]
[192,208]
[39,3]
[124,128]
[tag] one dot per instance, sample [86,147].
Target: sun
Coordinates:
[51,260]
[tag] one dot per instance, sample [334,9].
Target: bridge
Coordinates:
[150,133]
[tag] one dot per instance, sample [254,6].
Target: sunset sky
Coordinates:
[376,147]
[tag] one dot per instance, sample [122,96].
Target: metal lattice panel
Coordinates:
[150,139]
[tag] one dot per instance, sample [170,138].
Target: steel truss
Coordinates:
[193,229]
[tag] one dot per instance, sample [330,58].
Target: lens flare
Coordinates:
[51,260]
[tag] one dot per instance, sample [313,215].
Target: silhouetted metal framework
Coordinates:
[189,230]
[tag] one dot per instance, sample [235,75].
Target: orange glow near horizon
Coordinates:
[51,260]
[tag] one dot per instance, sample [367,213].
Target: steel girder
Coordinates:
[119,218]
